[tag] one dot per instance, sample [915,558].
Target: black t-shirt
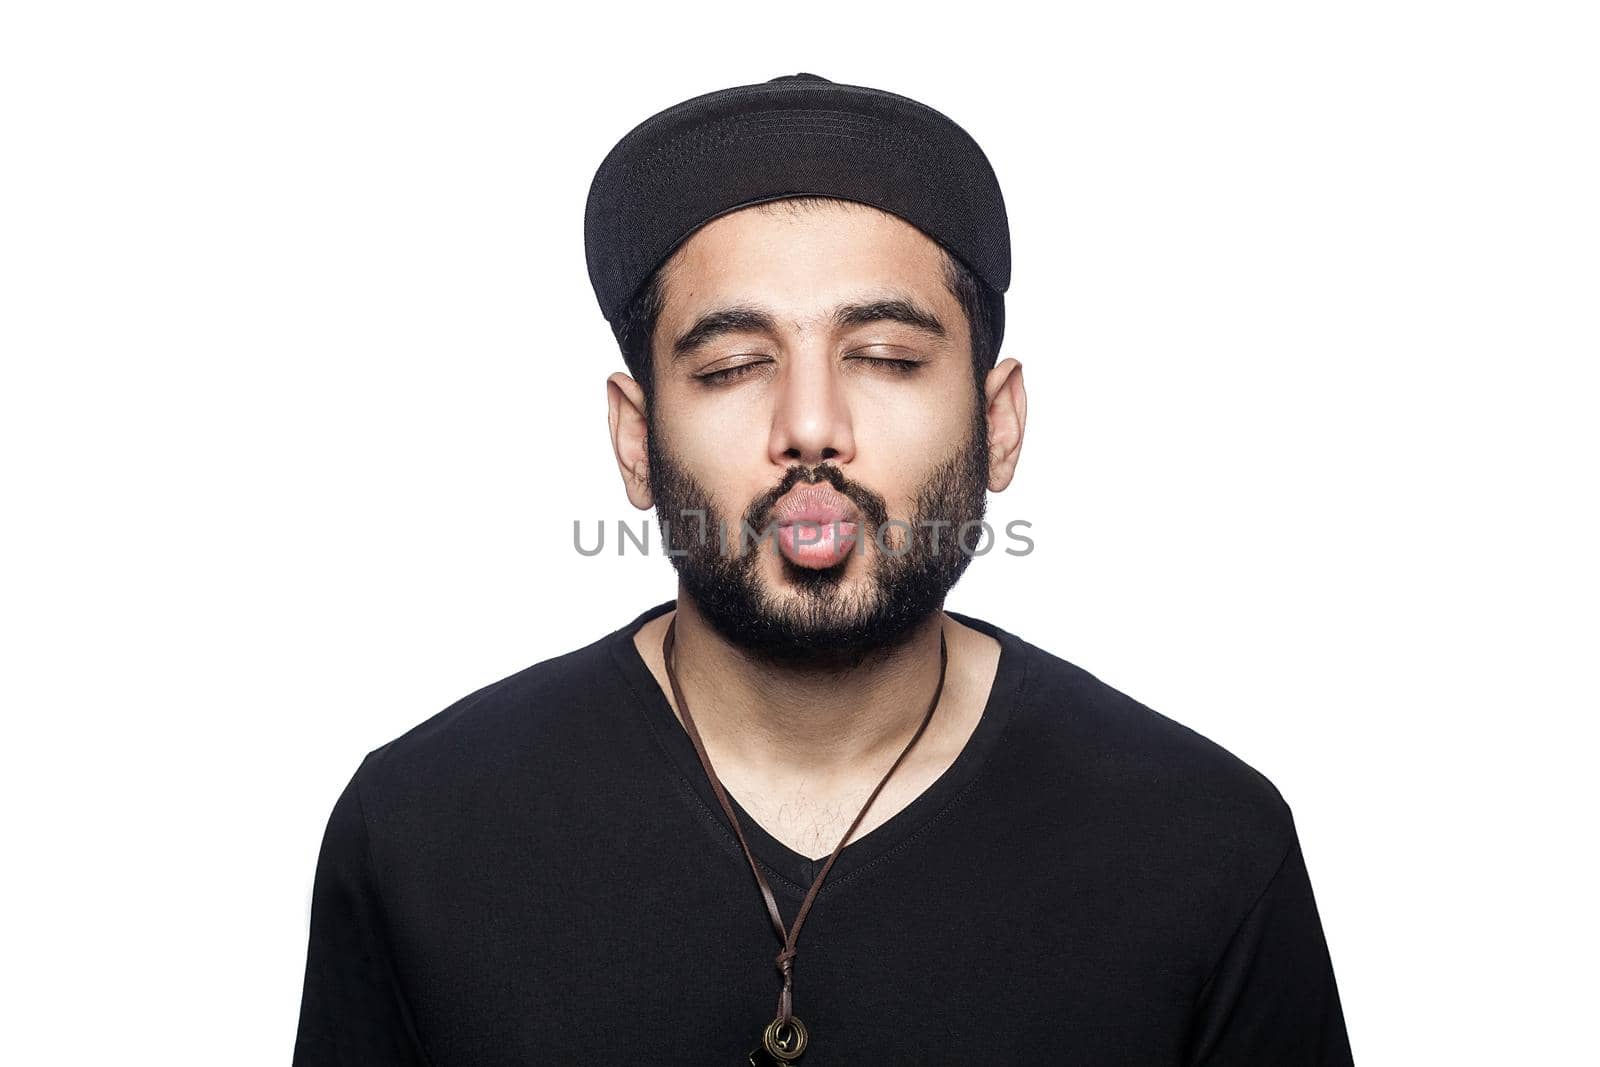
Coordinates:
[541,874]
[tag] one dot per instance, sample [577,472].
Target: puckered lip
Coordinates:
[819,504]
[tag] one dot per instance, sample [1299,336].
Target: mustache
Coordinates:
[759,514]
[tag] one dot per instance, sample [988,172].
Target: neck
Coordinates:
[781,722]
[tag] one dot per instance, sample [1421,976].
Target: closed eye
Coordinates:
[728,374]
[897,366]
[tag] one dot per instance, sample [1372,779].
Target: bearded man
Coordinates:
[992,856]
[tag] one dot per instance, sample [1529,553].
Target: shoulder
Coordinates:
[1169,791]
[509,729]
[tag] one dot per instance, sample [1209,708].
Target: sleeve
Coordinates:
[352,1013]
[1272,997]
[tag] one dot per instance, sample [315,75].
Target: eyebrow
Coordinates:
[745,318]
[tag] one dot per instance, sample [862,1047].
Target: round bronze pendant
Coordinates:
[785,1039]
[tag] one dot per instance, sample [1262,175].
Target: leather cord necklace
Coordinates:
[785,1038]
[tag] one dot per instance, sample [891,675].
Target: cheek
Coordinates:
[907,448]
[910,438]
[725,462]
[713,447]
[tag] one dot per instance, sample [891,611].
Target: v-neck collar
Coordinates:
[795,872]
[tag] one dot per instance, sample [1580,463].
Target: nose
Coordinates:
[811,415]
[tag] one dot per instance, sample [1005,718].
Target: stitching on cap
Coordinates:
[697,142]
[720,130]
[958,206]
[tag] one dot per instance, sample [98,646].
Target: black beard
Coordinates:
[825,629]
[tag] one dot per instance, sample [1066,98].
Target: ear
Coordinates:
[1007,402]
[625,405]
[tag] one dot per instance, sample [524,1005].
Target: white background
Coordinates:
[304,387]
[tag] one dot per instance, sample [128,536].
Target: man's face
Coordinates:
[814,378]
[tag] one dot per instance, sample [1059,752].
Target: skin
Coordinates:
[801,747]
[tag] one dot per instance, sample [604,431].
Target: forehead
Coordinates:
[801,259]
